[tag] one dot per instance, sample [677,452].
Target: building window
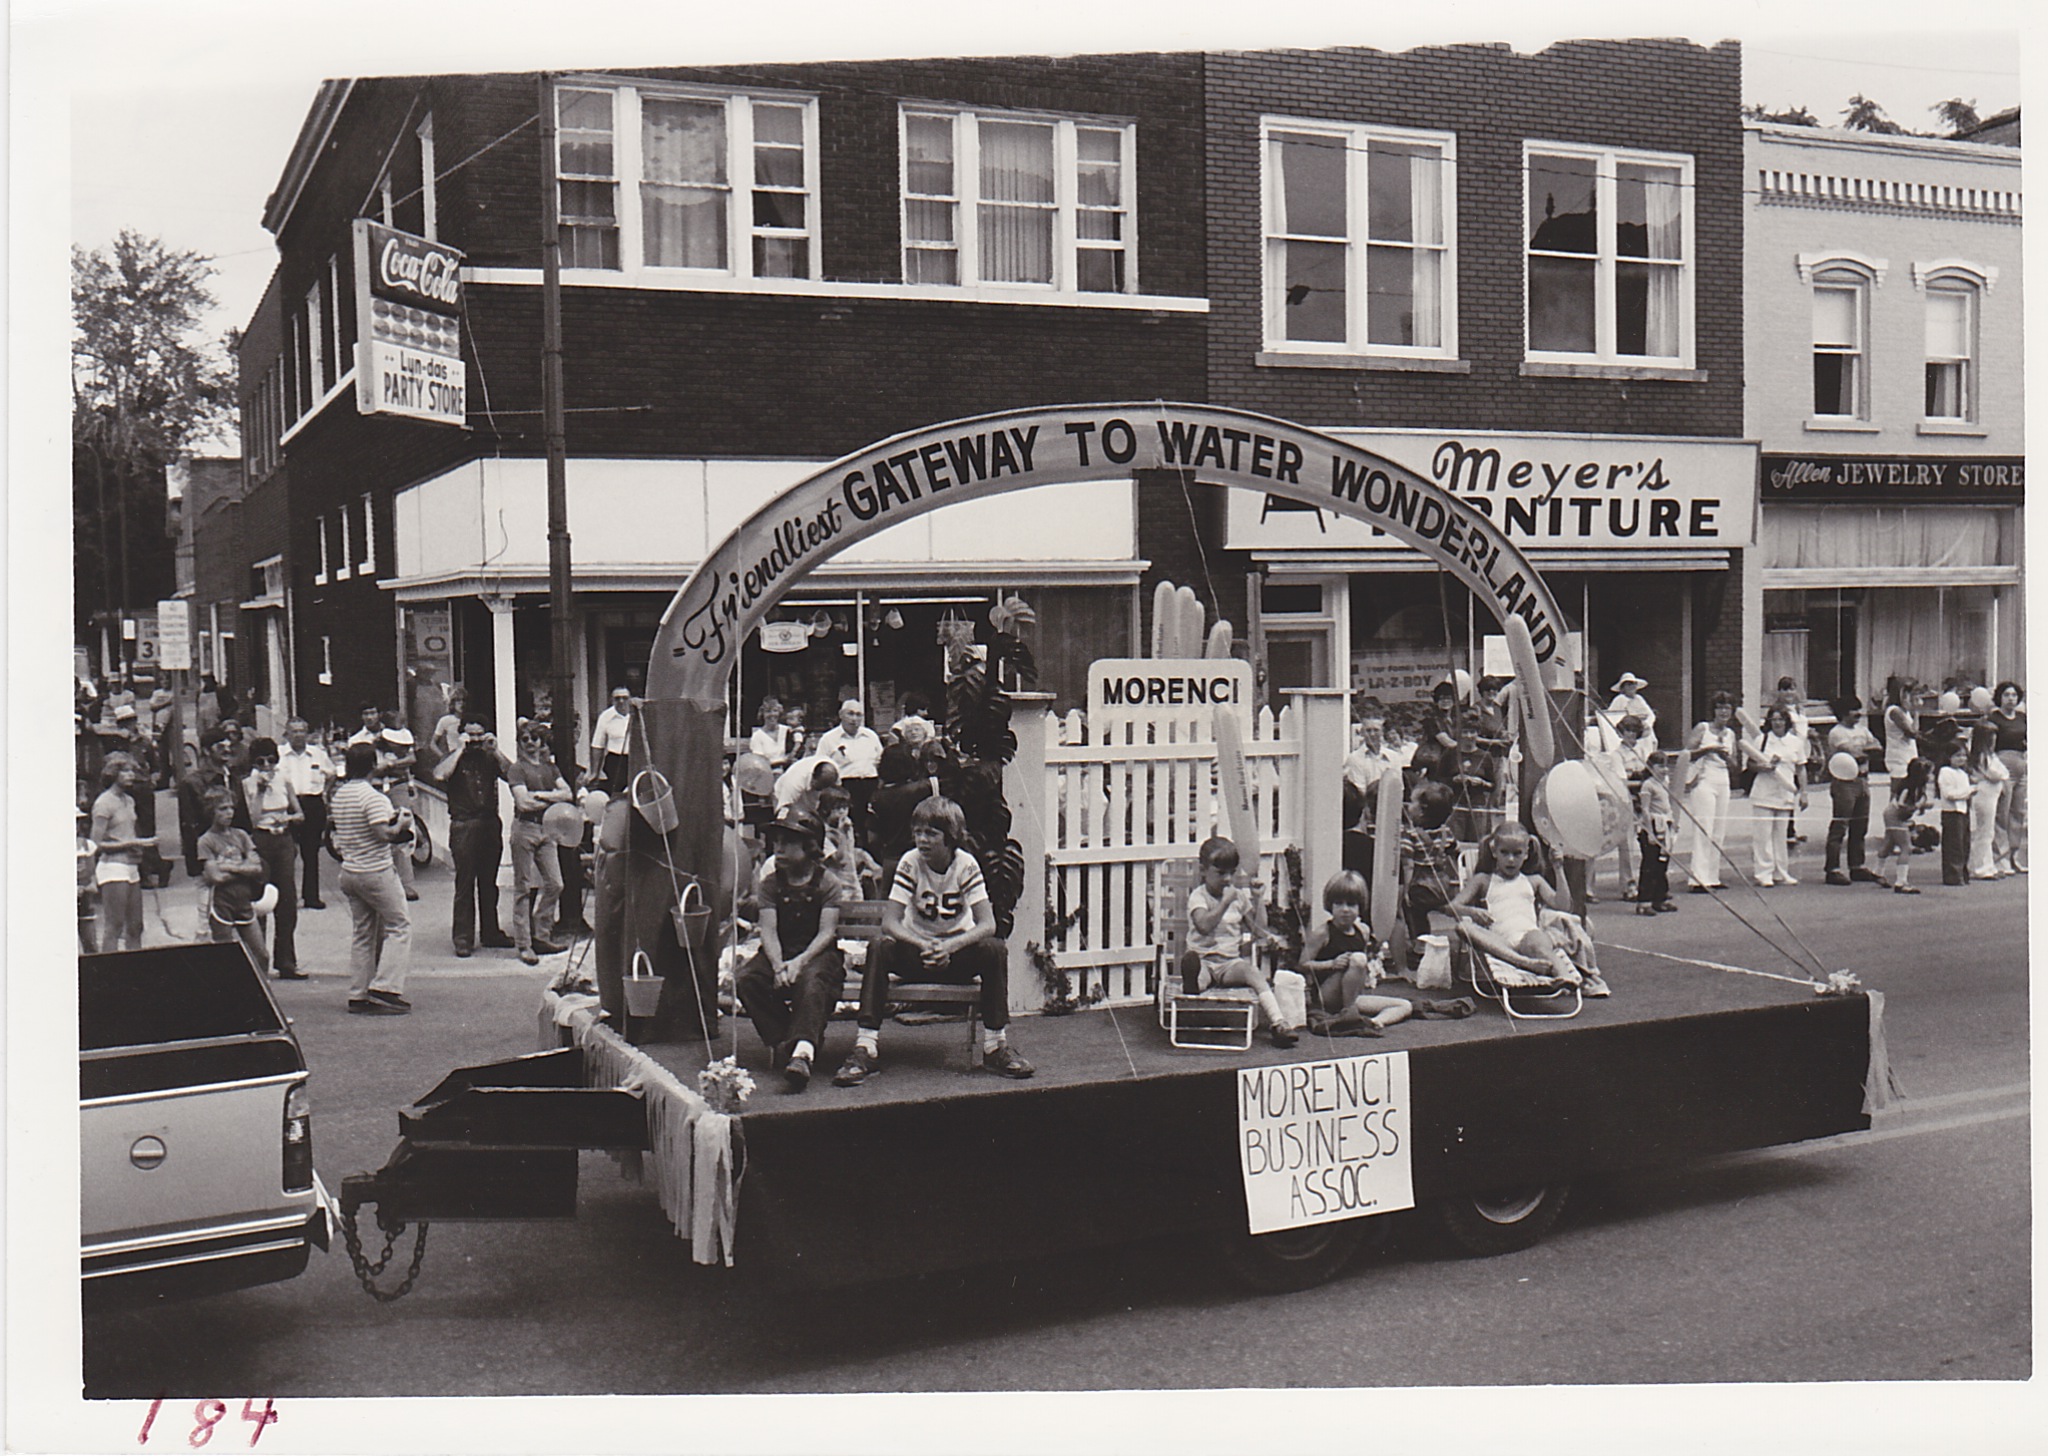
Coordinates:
[1358,227]
[1610,250]
[722,183]
[1017,200]
[1951,350]
[366,555]
[326,571]
[1841,366]
[320,344]
[343,557]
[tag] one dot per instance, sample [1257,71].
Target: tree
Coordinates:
[1793,116]
[1863,114]
[142,393]
[1956,114]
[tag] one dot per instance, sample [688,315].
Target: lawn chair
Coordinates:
[1218,1020]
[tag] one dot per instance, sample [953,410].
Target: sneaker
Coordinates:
[858,1067]
[1863,876]
[1282,1036]
[528,956]
[1836,877]
[1765,882]
[1005,1062]
[547,947]
[797,1073]
[391,1001]
[1788,880]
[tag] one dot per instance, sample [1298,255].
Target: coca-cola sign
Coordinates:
[412,270]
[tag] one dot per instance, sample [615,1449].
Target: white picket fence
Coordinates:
[1114,811]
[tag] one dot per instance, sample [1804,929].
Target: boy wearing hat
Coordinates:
[791,985]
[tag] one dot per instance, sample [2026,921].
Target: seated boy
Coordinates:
[939,926]
[1226,923]
[791,985]
[1429,861]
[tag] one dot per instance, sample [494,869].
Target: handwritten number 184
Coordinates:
[206,1415]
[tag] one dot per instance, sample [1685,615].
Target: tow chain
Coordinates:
[367,1272]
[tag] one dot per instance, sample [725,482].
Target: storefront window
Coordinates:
[427,642]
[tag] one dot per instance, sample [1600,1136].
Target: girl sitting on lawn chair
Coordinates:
[1517,917]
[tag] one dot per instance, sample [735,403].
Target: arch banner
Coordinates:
[741,581]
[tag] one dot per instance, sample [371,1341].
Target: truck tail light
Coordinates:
[298,1138]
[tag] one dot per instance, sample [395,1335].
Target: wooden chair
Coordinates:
[1217,1020]
[862,921]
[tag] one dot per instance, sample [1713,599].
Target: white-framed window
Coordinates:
[1610,255]
[319,343]
[1018,200]
[1951,367]
[326,572]
[1841,347]
[366,554]
[344,559]
[683,178]
[1359,226]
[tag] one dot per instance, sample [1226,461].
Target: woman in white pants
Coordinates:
[1710,752]
[1779,754]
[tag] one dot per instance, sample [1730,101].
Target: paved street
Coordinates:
[1902,1254]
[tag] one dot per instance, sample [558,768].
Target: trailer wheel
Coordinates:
[1503,1221]
[1293,1259]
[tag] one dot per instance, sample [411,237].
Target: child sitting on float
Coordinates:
[1517,917]
[1226,924]
[1347,965]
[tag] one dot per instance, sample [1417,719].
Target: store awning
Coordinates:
[1316,563]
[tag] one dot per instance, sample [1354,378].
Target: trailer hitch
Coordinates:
[492,1142]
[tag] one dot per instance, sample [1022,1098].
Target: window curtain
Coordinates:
[1929,634]
[1877,537]
[1426,211]
[1016,202]
[683,200]
[1663,207]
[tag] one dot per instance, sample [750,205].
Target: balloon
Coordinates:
[753,774]
[1582,821]
[563,823]
[1843,766]
[1949,702]
[595,801]
[1980,700]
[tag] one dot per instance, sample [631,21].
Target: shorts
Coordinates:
[115,872]
[1898,839]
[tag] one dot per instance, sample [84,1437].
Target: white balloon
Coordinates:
[1843,766]
[1980,699]
[1574,805]
[1949,702]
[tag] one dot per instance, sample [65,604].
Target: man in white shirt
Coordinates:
[307,771]
[856,751]
[1364,767]
[610,742]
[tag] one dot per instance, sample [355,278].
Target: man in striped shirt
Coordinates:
[365,828]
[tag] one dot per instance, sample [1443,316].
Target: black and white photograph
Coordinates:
[1190,730]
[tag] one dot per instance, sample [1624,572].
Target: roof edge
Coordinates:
[298,168]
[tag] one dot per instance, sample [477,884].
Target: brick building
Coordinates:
[1885,384]
[765,267]
[1521,275]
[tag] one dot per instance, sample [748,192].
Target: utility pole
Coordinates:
[559,579]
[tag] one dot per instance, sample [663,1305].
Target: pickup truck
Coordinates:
[195,1128]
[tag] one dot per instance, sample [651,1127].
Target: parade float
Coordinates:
[1284,1160]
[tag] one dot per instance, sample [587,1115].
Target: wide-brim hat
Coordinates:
[793,820]
[1628,683]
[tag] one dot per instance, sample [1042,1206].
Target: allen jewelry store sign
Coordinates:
[1952,479]
[408,327]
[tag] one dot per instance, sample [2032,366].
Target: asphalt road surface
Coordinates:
[1902,1254]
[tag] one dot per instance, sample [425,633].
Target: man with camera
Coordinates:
[476,836]
[366,826]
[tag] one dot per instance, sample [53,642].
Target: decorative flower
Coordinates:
[1838,983]
[726,1085]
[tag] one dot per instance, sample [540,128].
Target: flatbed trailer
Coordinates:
[934,1166]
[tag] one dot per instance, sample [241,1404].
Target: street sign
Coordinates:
[174,635]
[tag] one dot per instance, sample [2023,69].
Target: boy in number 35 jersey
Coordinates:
[939,927]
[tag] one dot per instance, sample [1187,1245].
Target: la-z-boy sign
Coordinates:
[1572,492]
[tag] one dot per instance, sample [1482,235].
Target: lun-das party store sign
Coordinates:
[408,327]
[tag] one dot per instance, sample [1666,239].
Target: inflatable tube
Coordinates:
[1236,820]
[1539,742]
[1386,855]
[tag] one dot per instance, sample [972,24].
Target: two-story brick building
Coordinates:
[1521,274]
[1885,383]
